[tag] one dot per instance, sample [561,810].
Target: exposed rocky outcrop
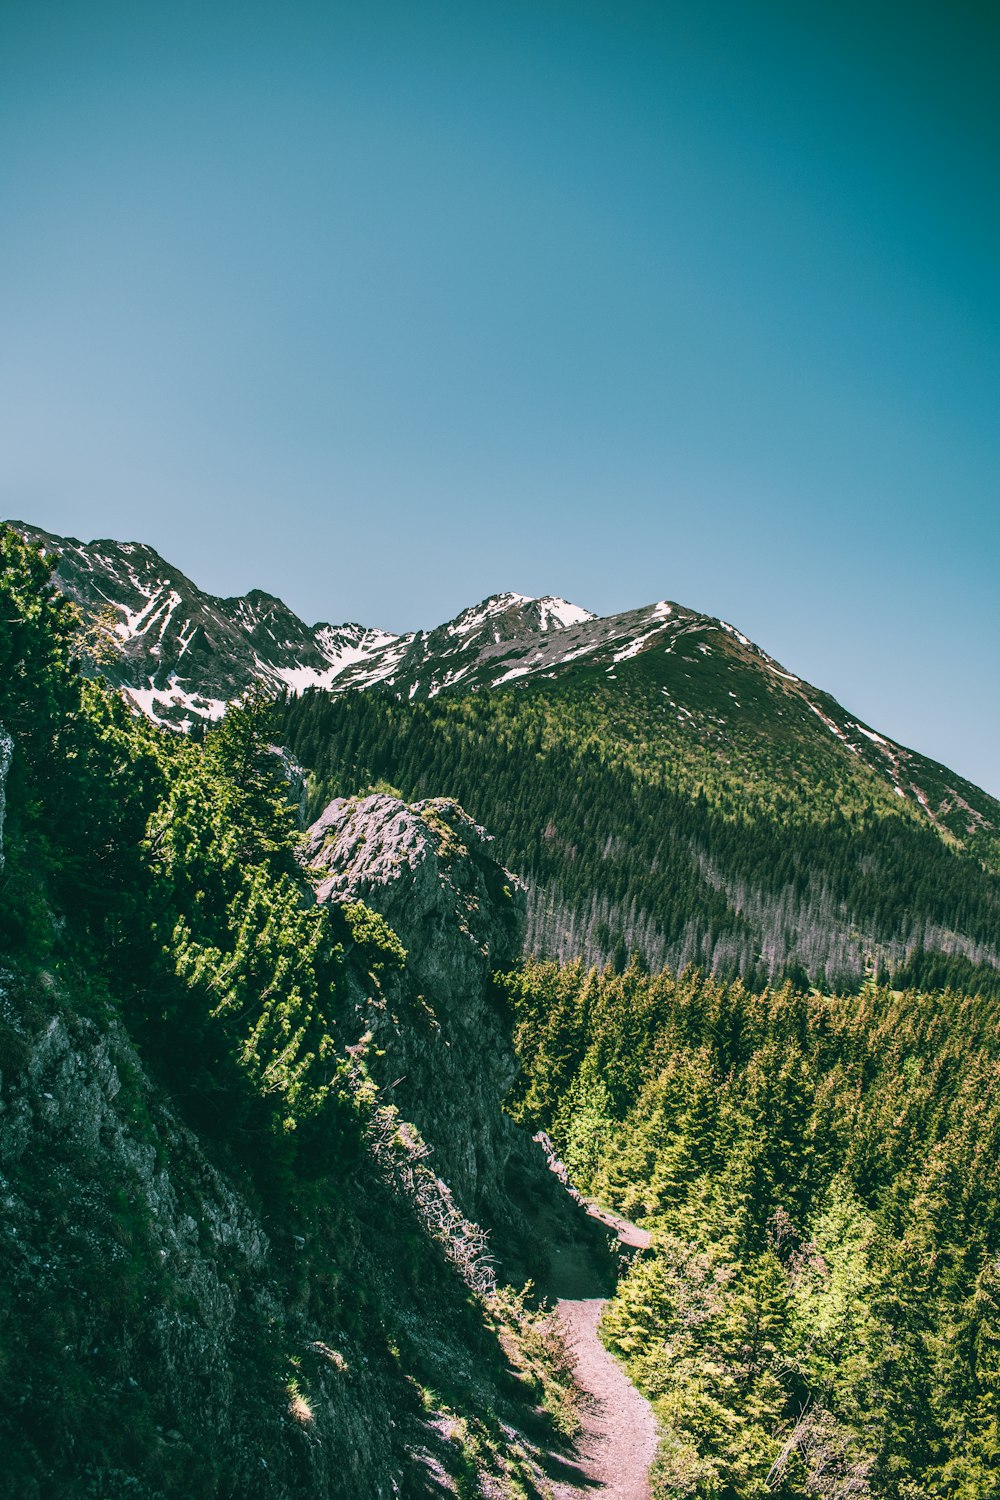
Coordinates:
[438,1045]
[149,1308]
[295,778]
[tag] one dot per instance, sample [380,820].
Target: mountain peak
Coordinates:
[476,615]
[181,654]
[520,611]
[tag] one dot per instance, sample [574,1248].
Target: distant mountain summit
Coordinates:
[181,654]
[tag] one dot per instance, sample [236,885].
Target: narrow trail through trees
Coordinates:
[618,1442]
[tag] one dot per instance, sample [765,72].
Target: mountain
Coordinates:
[266,1229]
[271,1103]
[180,653]
[663,784]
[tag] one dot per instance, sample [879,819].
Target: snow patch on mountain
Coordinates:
[343,648]
[870,734]
[559,614]
[175,698]
[346,643]
[833,727]
[510,674]
[634,647]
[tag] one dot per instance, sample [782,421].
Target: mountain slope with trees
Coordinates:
[232,1264]
[229,1266]
[663,785]
[666,682]
[766,849]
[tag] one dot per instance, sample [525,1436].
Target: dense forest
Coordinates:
[819,1314]
[194,1161]
[632,844]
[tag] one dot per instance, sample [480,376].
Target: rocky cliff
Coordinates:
[438,1046]
[174,1327]
[157,1328]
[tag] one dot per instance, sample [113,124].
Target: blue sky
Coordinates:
[385,307]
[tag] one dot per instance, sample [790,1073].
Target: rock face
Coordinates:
[182,654]
[147,1301]
[438,1048]
[175,1327]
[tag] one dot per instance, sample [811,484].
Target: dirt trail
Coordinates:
[618,1442]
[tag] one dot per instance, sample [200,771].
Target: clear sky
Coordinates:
[387,306]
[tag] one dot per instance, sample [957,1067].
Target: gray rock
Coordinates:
[295,776]
[117,1229]
[438,1046]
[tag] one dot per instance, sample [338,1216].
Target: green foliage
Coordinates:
[371,933]
[272,988]
[172,865]
[85,774]
[817,1314]
[37,627]
[250,967]
[692,842]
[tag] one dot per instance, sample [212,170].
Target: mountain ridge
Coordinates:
[180,655]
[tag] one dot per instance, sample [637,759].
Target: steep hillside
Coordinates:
[243,1253]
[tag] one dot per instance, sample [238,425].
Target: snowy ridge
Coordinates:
[476,616]
[151,700]
[180,654]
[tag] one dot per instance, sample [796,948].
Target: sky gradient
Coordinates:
[386,307]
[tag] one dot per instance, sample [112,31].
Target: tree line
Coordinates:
[623,853]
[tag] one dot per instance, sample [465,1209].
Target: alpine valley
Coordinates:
[393,1029]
